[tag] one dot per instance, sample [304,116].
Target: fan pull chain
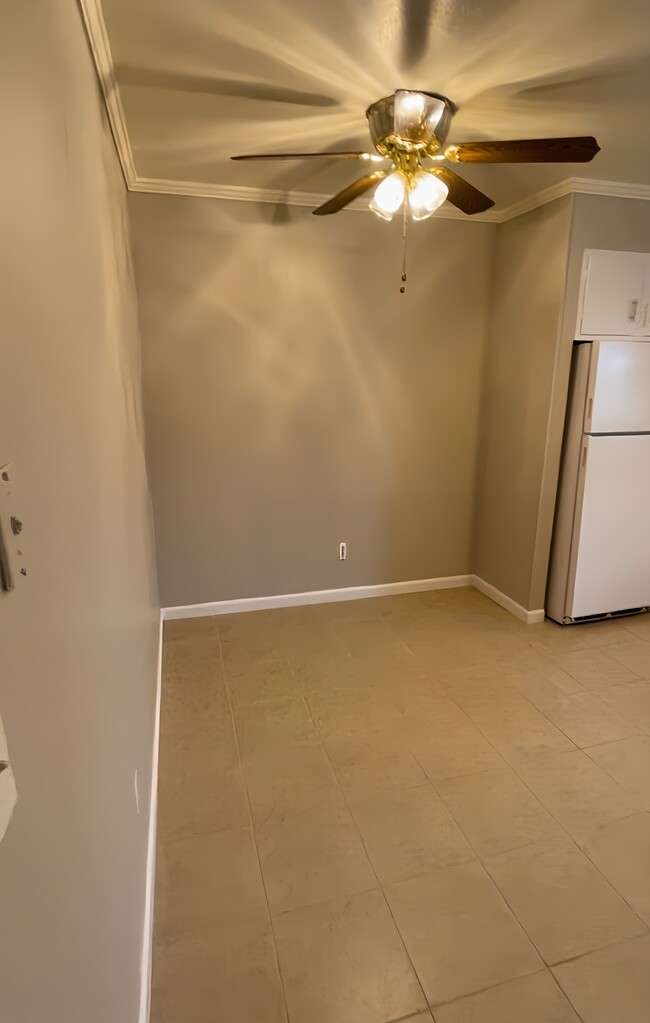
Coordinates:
[404,223]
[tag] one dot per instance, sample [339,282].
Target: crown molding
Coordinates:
[93,18]
[573,186]
[241,193]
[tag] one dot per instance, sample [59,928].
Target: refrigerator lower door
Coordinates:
[610,563]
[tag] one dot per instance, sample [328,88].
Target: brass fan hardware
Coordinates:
[409,129]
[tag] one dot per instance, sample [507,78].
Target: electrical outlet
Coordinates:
[343,551]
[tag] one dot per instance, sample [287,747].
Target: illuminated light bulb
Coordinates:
[409,104]
[426,194]
[389,196]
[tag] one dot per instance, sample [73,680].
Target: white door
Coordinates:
[616,293]
[611,570]
[619,388]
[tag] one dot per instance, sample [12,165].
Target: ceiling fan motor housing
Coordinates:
[410,122]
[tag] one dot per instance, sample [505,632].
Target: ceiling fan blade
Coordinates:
[310,156]
[578,149]
[461,194]
[353,191]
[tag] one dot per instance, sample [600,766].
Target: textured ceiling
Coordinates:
[201,80]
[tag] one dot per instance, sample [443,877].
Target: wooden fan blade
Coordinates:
[309,156]
[353,191]
[461,194]
[580,149]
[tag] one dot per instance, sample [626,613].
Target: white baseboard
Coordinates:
[226,607]
[530,617]
[147,934]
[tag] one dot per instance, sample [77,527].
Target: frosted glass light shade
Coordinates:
[426,194]
[389,196]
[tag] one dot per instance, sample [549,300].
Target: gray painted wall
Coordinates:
[526,308]
[78,638]
[295,399]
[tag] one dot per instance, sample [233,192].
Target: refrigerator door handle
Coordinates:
[633,308]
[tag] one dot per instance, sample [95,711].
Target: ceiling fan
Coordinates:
[410,129]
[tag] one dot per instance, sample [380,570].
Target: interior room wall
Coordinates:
[520,372]
[598,222]
[294,399]
[79,634]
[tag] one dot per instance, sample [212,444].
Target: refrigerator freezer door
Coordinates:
[611,566]
[619,388]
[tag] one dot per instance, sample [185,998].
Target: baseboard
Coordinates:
[226,607]
[530,617]
[147,934]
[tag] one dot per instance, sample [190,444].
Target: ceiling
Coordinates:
[202,80]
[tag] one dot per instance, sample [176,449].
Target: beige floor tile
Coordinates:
[621,851]
[223,973]
[205,626]
[312,856]
[408,832]
[577,792]
[194,706]
[633,654]
[628,763]
[564,904]
[540,678]
[344,962]
[203,879]
[350,713]
[364,770]
[289,778]
[632,702]
[449,752]
[533,999]
[611,986]
[595,669]
[459,932]
[386,680]
[212,800]
[273,724]
[511,723]
[584,719]
[265,680]
[190,754]
[639,625]
[496,811]
[587,635]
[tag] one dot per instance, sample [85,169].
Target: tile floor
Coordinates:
[412,808]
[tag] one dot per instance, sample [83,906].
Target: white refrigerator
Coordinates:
[600,558]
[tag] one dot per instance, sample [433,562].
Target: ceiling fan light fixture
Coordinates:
[389,196]
[426,194]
